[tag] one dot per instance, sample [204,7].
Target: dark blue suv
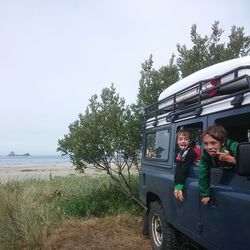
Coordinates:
[224,223]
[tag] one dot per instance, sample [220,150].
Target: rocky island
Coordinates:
[13,154]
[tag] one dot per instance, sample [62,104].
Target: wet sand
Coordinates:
[21,172]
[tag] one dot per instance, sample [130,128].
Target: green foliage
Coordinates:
[153,81]
[209,50]
[107,137]
[104,198]
[108,130]
[239,44]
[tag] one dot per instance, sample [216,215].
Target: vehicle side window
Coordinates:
[157,144]
[238,127]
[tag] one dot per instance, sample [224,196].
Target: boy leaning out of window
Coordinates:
[185,158]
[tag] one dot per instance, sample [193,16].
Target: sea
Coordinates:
[33,160]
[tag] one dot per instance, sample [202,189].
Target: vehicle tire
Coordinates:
[162,234]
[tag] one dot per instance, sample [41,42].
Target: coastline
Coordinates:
[41,171]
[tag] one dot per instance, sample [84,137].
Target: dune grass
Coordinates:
[28,208]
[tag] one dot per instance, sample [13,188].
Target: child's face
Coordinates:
[211,145]
[183,141]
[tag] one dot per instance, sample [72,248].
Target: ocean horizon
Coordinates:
[33,160]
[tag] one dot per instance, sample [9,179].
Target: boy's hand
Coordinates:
[205,200]
[225,156]
[178,194]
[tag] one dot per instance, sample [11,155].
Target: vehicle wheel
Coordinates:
[162,234]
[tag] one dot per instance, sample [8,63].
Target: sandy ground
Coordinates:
[21,172]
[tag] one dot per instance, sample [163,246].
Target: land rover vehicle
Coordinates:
[218,94]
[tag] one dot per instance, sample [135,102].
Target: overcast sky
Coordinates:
[55,54]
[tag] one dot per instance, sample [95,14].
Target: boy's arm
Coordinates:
[204,176]
[182,169]
[233,147]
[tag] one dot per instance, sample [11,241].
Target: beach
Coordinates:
[41,171]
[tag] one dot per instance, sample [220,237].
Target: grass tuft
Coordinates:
[29,208]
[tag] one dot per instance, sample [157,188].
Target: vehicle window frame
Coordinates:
[233,112]
[155,130]
[202,119]
[219,117]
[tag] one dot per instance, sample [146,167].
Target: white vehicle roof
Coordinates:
[206,91]
[207,73]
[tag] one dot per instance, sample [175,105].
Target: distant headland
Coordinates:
[13,154]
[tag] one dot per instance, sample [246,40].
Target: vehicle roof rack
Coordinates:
[191,100]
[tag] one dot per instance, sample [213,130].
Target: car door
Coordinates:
[225,221]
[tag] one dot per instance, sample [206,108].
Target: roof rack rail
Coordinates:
[190,100]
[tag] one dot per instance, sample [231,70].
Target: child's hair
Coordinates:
[183,132]
[217,132]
